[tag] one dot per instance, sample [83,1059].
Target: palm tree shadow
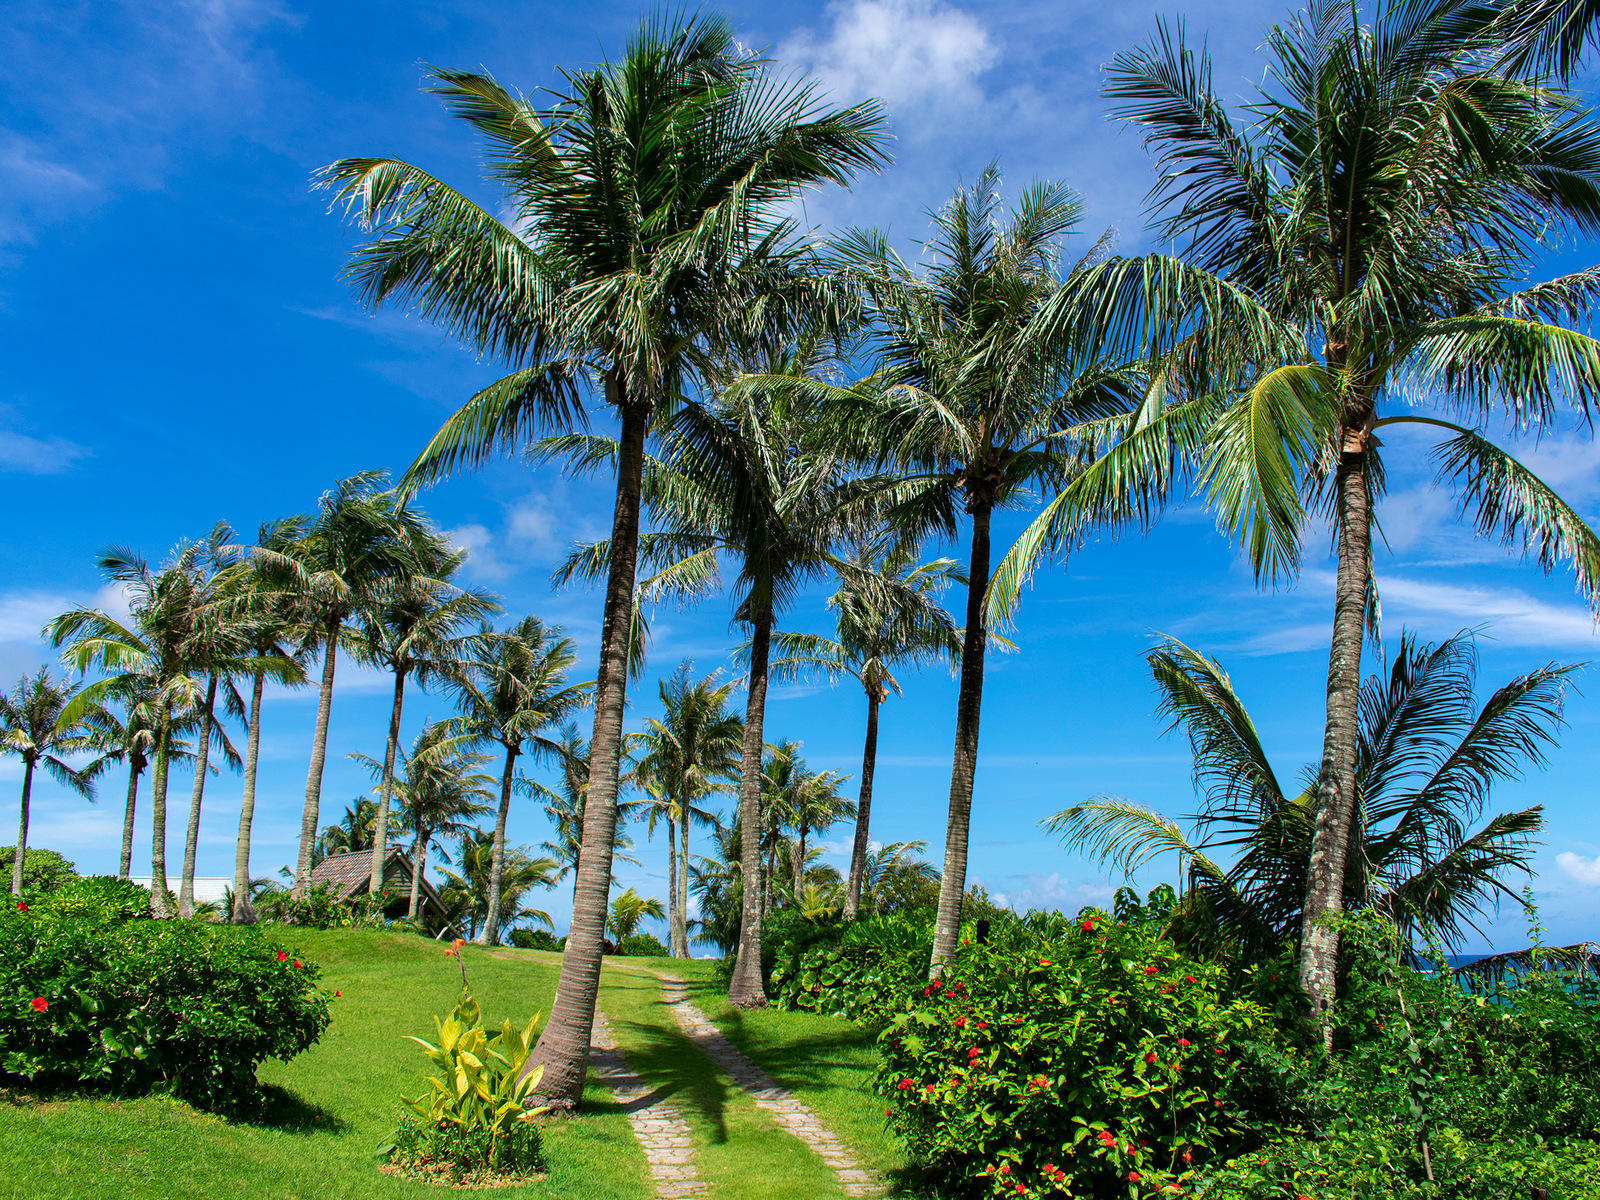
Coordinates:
[674,1067]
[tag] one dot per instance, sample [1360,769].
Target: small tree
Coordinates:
[628,912]
[37,726]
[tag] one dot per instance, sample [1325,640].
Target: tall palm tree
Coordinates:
[38,725]
[985,391]
[441,790]
[129,739]
[486,901]
[717,883]
[511,688]
[629,911]
[687,754]
[886,612]
[564,805]
[273,632]
[413,629]
[360,542]
[815,806]
[1393,189]
[731,480]
[707,146]
[1427,759]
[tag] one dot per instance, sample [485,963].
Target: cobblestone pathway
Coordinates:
[789,1113]
[662,1133]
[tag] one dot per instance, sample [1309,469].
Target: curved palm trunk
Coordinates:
[1336,790]
[243,913]
[683,886]
[19,854]
[191,838]
[419,860]
[310,814]
[799,863]
[380,827]
[674,917]
[969,701]
[489,935]
[136,764]
[563,1047]
[858,849]
[160,901]
[746,989]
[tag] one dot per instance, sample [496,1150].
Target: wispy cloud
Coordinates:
[1584,870]
[1050,891]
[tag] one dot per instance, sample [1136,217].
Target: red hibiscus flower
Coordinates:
[1188,978]
[282,956]
[1133,1177]
[1183,1043]
[21,907]
[1150,1058]
[1088,926]
[40,1004]
[908,1082]
[973,1053]
[1151,970]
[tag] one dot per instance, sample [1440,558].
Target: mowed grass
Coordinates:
[330,1108]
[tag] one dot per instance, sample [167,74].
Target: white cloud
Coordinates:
[1049,892]
[478,542]
[1581,869]
[1509,616]
[901,51]
[50,455]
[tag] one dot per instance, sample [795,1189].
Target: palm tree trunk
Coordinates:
[799,863]
[858,850]
[243,913]
[419,861]
[672,885]
[964,765]
[20,853]
[746,989]
[380,826]
[490,934]
[310,814]
[683,883]
[160,904]
[191,839]
[1336,786]
[135,766]
[563,1048]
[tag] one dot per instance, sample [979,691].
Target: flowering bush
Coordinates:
[1082,1057]
[861,970]
[135,1005]
[534,939]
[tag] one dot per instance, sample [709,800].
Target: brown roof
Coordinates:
[351,873]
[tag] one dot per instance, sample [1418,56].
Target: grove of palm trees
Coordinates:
[692,865]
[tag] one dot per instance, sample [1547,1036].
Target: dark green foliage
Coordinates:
[534,939]
[641,945]
[94,898]
[42,870]
[1072,1054]
[857,969]
[463,1153]
[139,1005]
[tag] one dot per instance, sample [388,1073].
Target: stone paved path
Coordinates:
[662,1133]
[789,1113]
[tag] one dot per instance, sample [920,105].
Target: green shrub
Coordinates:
[861,970]
[95,898]
[135,1005]
[534,939]
[471,1123]
[641,945]
[1083,1057]
[42,870]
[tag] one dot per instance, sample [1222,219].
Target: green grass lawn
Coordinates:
[331,1107]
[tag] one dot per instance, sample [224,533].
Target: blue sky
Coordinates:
[179,348]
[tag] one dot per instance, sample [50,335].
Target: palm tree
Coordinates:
[129,739]
[893,876]
[886,612]
[731,479]
[358,829]
[1427,759]
[484,899]
[361,542]
[412,629]
[708,146]
[1394,187]
[717,883]
[814,806]
[688,753]
[563,808]
[628,911]
[38,725]
[268,617]
[511,687]
[441,790]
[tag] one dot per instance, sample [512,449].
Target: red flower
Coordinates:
[973,1053]
[1151,970]
[21,907]
[1218,1051]
[1187,1157]
[1188,978]
[295,964]
[282,956]
[1183,1043]
[1049,1168]
[1044,962]
[888,1112]
[1088,926]
[1005,1168]
[336,995]
[982,1025]
[1133,1177]
[928,1088]
[1106,1139]
[1021,1188]
[1150,1058]
[908,1082]
[961,1022]
[40,1004]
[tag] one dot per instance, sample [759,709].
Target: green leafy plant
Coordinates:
[534,939]
[42,870]
[641,945]
[94,897]
[1081,1056]
[472,1119]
